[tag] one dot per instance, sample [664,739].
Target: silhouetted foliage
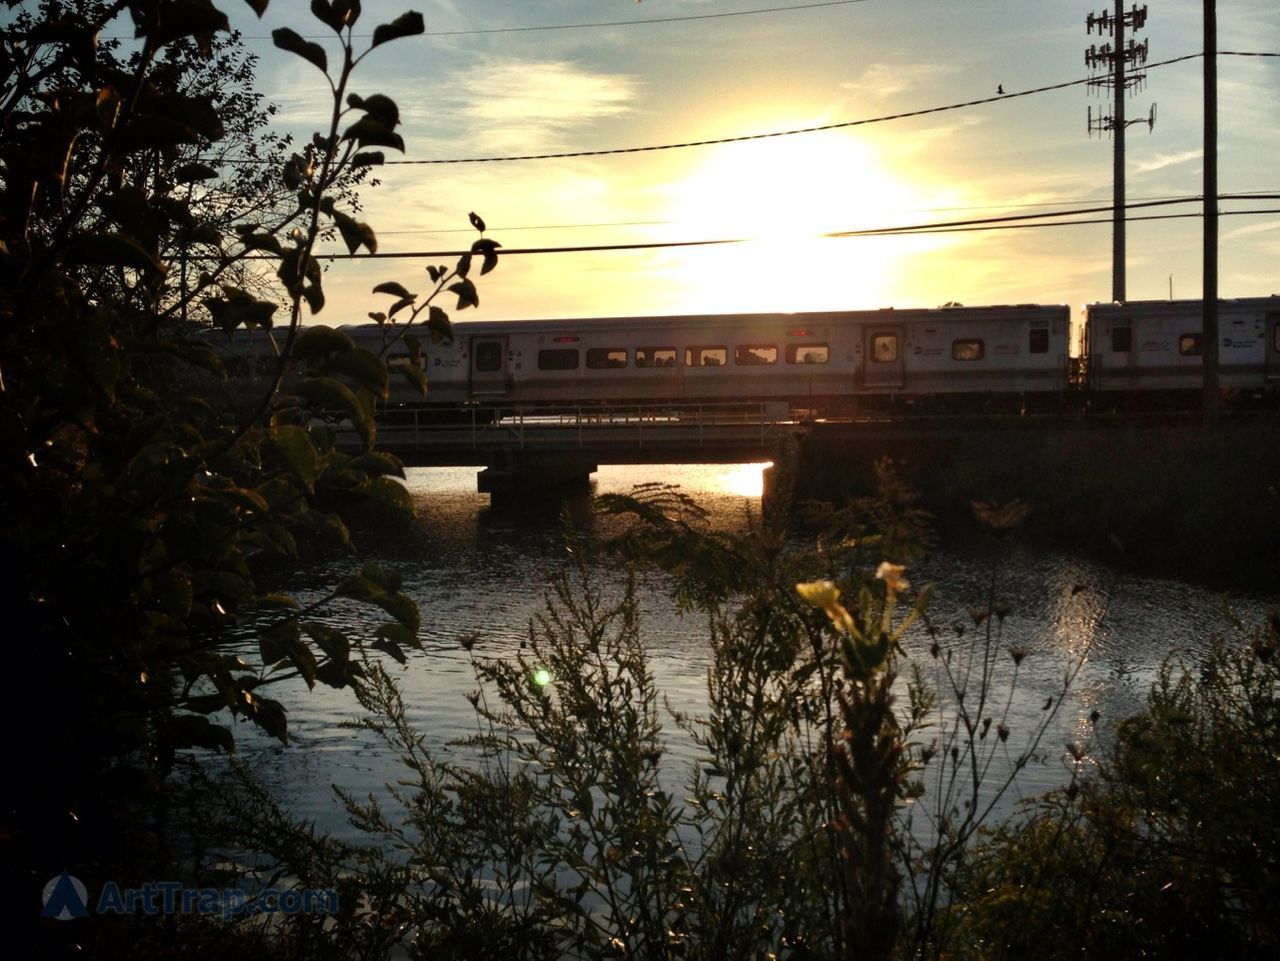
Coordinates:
[137,517]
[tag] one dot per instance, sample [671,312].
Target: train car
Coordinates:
[1149,351]
[814,361]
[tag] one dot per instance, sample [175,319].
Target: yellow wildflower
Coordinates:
[826,595]
[894,582]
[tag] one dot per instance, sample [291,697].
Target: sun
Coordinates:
[784,196]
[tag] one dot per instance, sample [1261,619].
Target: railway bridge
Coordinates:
[528,453]
[546,452]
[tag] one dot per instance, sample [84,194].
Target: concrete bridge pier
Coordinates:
[518,478]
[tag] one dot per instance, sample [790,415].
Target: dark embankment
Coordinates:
[1181,501]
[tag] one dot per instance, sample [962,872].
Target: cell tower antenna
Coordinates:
[1119,66]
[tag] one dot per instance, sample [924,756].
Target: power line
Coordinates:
[781,133]
[507,229]
[1046,219]
[640,21]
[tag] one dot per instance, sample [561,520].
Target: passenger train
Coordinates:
[830,363]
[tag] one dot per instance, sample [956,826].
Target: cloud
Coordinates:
[1160,161]
[530,105]
[1250,230]
[889,79]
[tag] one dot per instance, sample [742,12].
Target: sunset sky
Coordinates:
[489,81]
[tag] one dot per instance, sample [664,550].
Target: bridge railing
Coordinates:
[505,427]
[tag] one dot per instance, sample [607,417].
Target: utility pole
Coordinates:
[1209,325]
[1114,58]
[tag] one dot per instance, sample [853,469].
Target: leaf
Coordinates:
[259,241]
[379,106]
[395,289]
[204,234]
[476,221]
[371,158]
[369,131]
[415,376]
[195,730]
[330,640]
[438,325]
[384,575]
[293,445]
[355,233]
[111,250]
[231,312]
[464,266]
[400,634]
[467,294]
[400,305]
[303,660]
[189,18]
[314,296]
[194,172]
[287,39]
[366,368]
[292,277]
[273,643]
[323,11]
[358,588]
[267,714]
[379,463]
[316,341]
[335,396]
[393,494]
[405,25]
[489,248]
[259,6]
[390,647]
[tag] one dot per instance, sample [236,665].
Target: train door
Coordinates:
[1273,346]
[883,351]
[489,375]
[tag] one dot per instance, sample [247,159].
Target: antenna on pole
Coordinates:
[1112,61]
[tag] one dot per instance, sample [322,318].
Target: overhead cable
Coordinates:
[1047,219]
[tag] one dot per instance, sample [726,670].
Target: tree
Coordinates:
[137,517]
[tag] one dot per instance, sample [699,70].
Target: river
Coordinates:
[487,573]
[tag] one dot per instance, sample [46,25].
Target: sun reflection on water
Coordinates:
[743,480]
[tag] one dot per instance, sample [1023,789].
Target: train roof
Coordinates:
[796,319]
[1147,306]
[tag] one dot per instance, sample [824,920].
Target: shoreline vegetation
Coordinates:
[843,808]
[1181,503]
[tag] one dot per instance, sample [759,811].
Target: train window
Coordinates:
[807,353]
[1039,340]
[884,348]
[488,356]
[1189,345]
[1275,331]
[1121,340]
[606,358]
[755,354]
[705,356]
[558,358]
[655,356]
[972,348]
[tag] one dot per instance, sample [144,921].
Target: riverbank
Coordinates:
[1177,502]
